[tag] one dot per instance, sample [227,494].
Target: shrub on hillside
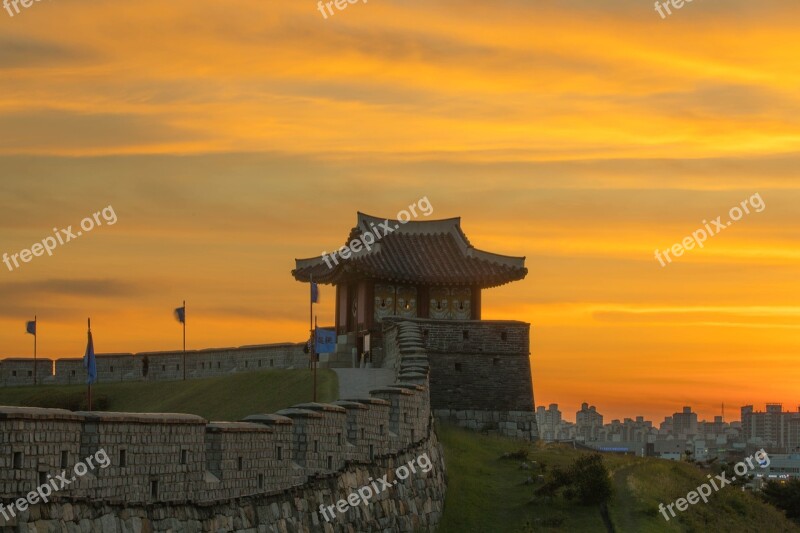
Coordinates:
[519,455]
[594,483]
[586,481]
[784,496]
[730,473]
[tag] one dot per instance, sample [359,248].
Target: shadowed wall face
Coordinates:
[479,365]
[481,381]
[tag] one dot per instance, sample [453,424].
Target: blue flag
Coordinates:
[89,363]
[314,293]
[30,327]
[180,314]
[326,341]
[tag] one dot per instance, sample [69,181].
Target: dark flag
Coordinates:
[180,314]
[30,327]
[89,362]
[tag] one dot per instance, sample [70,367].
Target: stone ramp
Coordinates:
[357,382]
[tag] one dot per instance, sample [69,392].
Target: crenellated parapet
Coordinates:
[148,461]
[154,366]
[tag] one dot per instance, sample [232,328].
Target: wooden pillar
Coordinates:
[352,303]
[336,311]
[476,303]
[369,310]
[342,308]
[423,301]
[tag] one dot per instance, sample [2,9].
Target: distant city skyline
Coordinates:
[732,414]
[684,435]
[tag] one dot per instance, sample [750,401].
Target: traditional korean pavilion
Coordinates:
[422,269]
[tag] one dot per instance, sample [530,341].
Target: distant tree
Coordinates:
[730,474]
[586,480]
[784,496]
[593,482]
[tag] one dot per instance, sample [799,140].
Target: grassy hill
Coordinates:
[485,493]
[221,398]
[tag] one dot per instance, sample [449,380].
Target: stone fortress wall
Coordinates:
[268,472]
[480,373]
[154,366]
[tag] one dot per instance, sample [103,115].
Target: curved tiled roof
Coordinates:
[435,252]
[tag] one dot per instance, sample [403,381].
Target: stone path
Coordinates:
[357,382]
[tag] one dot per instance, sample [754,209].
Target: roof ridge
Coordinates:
[415,251]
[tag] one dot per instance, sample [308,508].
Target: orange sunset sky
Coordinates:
[231,138]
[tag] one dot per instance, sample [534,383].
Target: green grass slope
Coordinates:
[486,494]
[220,398]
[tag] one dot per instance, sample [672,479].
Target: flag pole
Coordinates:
[313,340]
[89,324]
[314,352]
[184,340]
[36,332]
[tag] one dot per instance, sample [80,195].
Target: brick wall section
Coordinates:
[413,505]
[389,357]
[368,426]
[283,471]
[319,437]
[241,456]
[482,336]
[338,425]
[481,365]
[110,368]
[231,475]
[153,445]
[69,371]
[161,366]
[168,366]
[180,451]
[32,440]
[16,372]
[481,381]
[402,417]
[415,412]
[115,367]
